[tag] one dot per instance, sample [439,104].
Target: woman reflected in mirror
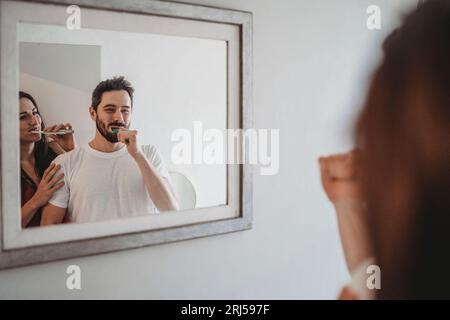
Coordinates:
[39,145]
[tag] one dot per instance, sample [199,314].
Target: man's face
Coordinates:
[114,111]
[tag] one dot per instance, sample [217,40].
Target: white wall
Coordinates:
[75,66]
[311,62]
[61,77]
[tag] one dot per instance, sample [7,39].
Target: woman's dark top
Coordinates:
[29,188]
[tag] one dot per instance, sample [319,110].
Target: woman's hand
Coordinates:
[347,294]
[50,182]
[66,141]
[339,174]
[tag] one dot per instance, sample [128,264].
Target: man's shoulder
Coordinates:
[69,156]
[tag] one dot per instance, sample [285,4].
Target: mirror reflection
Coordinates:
[96,111]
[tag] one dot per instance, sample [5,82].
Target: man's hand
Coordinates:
[339,174]
[129,137]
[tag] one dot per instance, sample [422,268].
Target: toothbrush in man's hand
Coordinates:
[116,131]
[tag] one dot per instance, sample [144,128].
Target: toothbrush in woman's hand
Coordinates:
[67,131]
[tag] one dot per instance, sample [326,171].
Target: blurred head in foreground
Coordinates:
[404,136]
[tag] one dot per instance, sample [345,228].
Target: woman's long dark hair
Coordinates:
[404,136]
[43,155]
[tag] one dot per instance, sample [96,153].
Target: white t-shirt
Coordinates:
[104,186]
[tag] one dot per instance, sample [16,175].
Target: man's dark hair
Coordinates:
[114,84]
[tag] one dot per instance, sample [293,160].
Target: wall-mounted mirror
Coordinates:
[116,121]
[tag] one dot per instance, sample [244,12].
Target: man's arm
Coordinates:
[158,188]
[52,215]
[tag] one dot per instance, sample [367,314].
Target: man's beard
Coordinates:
[110,136]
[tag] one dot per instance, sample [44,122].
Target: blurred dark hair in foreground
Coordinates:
[404,135]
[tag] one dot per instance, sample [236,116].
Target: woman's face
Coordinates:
[29,121]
